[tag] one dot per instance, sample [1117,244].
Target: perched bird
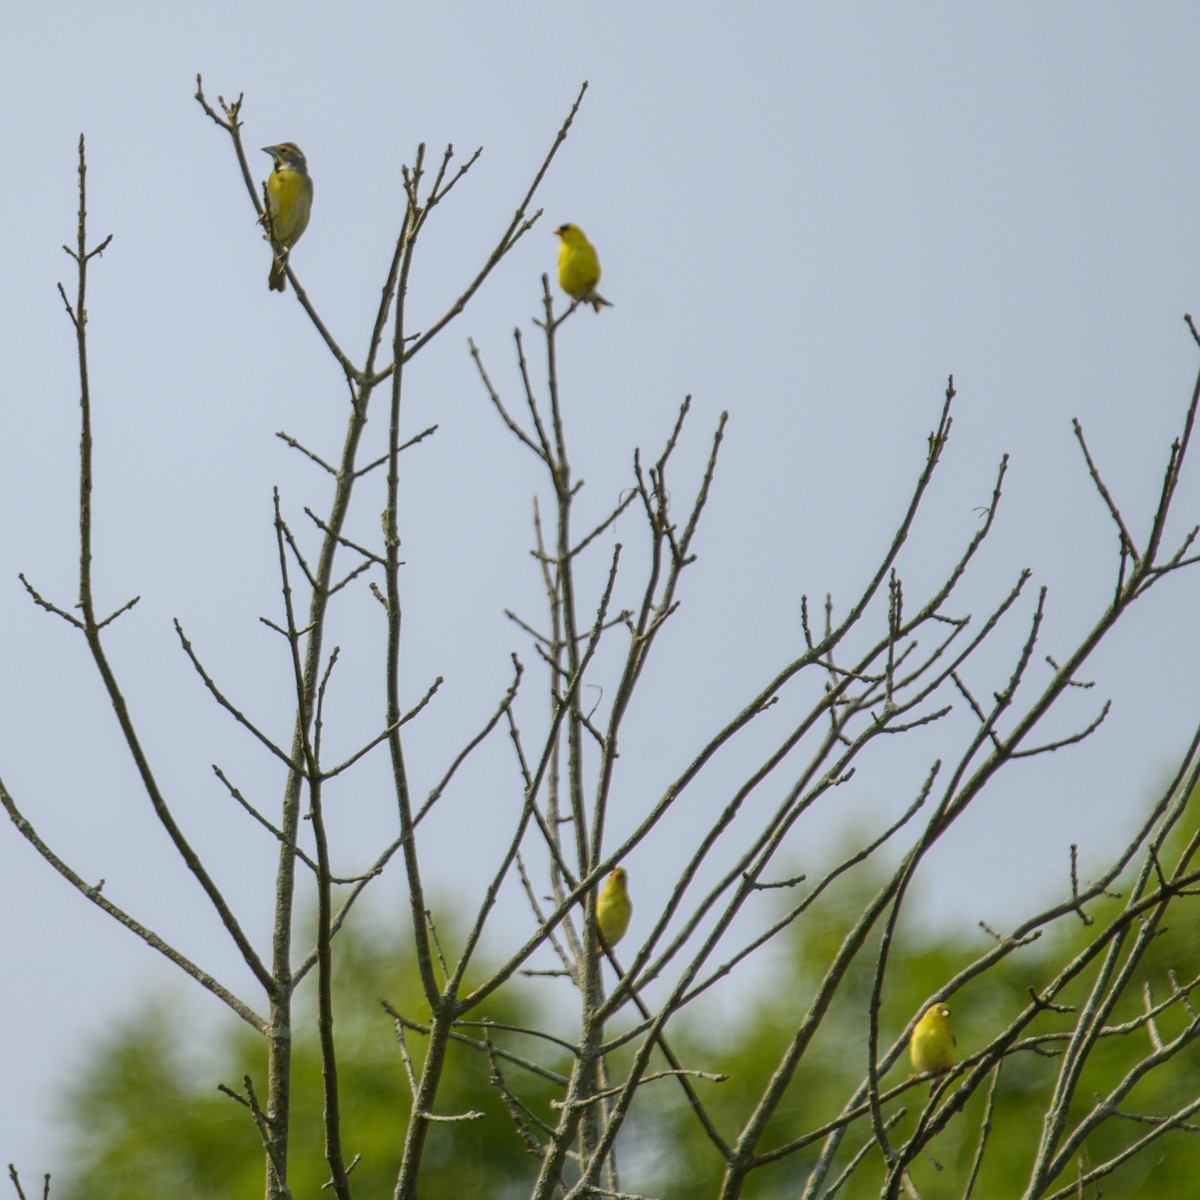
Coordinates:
[931,1047]
[289,202]
[613,907]
[579,269]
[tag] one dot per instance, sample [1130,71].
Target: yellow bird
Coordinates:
[579,269]
[931,1047]
[613,907]
[289,201]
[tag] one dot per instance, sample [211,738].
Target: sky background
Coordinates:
[808,216]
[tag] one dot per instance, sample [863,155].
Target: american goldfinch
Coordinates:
[579,268]
[289,200]
[931,1047]
[613,907]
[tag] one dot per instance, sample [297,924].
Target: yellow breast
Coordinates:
[578,269]
[289,194]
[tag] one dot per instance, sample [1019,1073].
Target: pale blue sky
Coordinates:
[807,216]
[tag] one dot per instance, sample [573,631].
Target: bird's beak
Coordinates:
[270,150]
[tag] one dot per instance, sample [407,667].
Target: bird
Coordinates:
[613,907]
[579,267]
[289,203]
[931,1047]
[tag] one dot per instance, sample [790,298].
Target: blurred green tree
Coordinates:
[145,1119]
[144,1122]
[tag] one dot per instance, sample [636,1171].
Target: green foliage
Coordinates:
[835,1065]
[143,1123]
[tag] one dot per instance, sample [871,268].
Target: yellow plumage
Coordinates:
[613,906]
[289,205]
[931,1047]
[579,267]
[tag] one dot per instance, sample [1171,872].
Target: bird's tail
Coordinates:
[277,280]
[598,302]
